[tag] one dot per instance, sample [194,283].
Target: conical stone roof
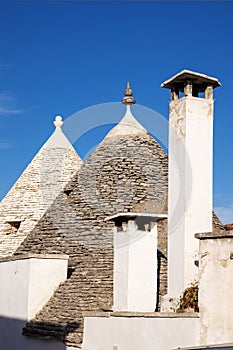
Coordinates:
[126,172]
[36,189]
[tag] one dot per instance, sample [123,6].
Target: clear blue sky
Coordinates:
[60,57]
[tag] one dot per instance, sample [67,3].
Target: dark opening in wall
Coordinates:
[68,192]
[11,227]
[70,271]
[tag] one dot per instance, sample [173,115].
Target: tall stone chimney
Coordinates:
[190,173]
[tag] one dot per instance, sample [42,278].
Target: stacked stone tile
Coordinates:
[34,192]
[127,172]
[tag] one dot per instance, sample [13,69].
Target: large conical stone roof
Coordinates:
[36,189]
[126,172]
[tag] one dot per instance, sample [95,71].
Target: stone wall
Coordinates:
[162,262]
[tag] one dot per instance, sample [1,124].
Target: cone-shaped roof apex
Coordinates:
[58,138]
[128,125]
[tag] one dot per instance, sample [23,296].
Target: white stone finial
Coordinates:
[58,121]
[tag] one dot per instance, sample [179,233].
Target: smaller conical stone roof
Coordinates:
[36,189]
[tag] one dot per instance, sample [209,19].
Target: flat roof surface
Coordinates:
[34,256]
[133,314]
[214,346]
[211,235]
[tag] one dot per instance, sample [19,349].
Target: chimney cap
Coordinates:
[199,79]
[134,215]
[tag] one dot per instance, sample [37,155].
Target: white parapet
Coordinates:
[28,283]
[216,288]
[140,331]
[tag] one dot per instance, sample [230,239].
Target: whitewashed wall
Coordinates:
[216,290]
[19,341]
[139,333]
[26,285]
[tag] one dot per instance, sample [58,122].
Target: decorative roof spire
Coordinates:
[58,121]
[128,99]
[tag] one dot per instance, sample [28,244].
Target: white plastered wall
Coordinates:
[216,290]
[139,333]
[26,285]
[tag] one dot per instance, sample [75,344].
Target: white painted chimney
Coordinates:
[190,173]
[135,261]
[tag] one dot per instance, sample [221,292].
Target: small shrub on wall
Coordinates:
[189,299]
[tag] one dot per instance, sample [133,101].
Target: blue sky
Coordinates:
[61,57]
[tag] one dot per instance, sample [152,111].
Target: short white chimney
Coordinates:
[135,261]
[190,173]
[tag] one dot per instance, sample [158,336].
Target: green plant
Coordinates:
[189,299]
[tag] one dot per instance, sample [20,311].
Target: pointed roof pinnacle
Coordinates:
[58,138]
[128,99]
[58,121]
[128,125]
